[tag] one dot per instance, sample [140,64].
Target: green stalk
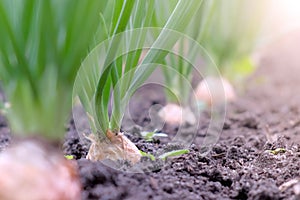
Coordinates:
[182,13]
[177,91]
[131,60]
[100,99]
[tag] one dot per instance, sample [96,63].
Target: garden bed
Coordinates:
[257,154]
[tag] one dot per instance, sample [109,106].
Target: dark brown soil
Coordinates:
[257,155]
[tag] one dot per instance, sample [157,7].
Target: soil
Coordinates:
[256,157]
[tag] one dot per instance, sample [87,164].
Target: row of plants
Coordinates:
[102,52]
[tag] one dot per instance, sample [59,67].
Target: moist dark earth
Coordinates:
[256,157]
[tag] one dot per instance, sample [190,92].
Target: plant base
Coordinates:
[115,147]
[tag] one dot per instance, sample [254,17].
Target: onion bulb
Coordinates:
[35,171]
[175,114]
[115,147]
[213,90]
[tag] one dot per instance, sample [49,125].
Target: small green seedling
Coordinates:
[173,153]
[69,157]
[277,151]
[148,136]
[149,155]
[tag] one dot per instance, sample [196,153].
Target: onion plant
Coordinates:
[116,68]
[228,31]
[230,36]
[42,44]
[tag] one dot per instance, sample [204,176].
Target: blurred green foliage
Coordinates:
[42,44]
[231,34]
[228,31]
